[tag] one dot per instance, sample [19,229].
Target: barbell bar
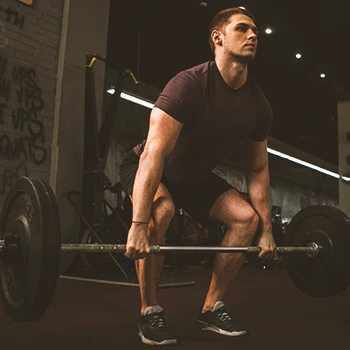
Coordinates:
[30,246]
[312,249]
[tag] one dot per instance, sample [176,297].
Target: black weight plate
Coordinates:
[327,274]
[27,286]
[52,250]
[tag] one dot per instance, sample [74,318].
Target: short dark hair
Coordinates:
[221,19]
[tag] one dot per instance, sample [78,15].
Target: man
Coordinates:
[201,115]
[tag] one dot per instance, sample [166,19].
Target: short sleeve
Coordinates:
[181,96]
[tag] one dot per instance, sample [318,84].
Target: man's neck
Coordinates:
[234,73]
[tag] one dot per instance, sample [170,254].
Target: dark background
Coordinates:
[158,38]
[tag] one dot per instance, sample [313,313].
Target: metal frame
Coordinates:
[95,151]
[96,146]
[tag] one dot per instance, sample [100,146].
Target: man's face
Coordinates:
[240,38]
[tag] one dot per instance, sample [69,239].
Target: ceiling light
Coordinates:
[134,99]
[268,31]
[322,75]
[241,7]
[306,164]
[298,55]
[203,4]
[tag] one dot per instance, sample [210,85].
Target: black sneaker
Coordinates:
[219,321]
[152,328]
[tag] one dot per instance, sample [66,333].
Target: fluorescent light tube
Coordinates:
[306,164]
[132,98]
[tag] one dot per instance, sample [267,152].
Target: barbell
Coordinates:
[30,247]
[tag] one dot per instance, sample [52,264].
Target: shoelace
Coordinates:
[155,320]
[222,314]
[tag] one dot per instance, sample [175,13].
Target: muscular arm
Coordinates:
[162,135]
[258,180]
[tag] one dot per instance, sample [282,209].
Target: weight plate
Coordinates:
[327,274]
[27,285]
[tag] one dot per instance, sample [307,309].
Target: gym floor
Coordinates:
[85,315]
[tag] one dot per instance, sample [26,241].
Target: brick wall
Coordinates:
[29,48]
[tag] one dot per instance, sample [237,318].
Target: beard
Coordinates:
[243,58]
[247,58]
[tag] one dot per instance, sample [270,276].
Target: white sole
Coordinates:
[206,327]
[152,342]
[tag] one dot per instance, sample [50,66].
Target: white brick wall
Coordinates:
[29,46]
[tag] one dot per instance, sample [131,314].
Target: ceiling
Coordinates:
[158,38]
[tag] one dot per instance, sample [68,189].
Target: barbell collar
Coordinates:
[9,245]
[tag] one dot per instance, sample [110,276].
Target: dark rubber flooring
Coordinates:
[85,315]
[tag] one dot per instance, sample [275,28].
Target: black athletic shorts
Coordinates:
[196,200]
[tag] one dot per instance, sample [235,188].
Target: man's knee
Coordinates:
[246,218]
[163,210]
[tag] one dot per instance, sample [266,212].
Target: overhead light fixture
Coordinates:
[306,164]
[147,104]
[137,100]
[268,31]
[298,56]
[322,75]
[134,99]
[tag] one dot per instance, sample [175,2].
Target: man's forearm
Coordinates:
[146,184]
[258,186]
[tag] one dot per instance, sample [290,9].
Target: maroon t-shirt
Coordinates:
[215,119]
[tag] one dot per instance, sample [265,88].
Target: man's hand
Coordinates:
[137,246]
[267,244]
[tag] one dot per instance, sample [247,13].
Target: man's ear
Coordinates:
[216,37]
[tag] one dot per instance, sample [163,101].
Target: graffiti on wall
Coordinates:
[20,106]
[9,176]
[12,16]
